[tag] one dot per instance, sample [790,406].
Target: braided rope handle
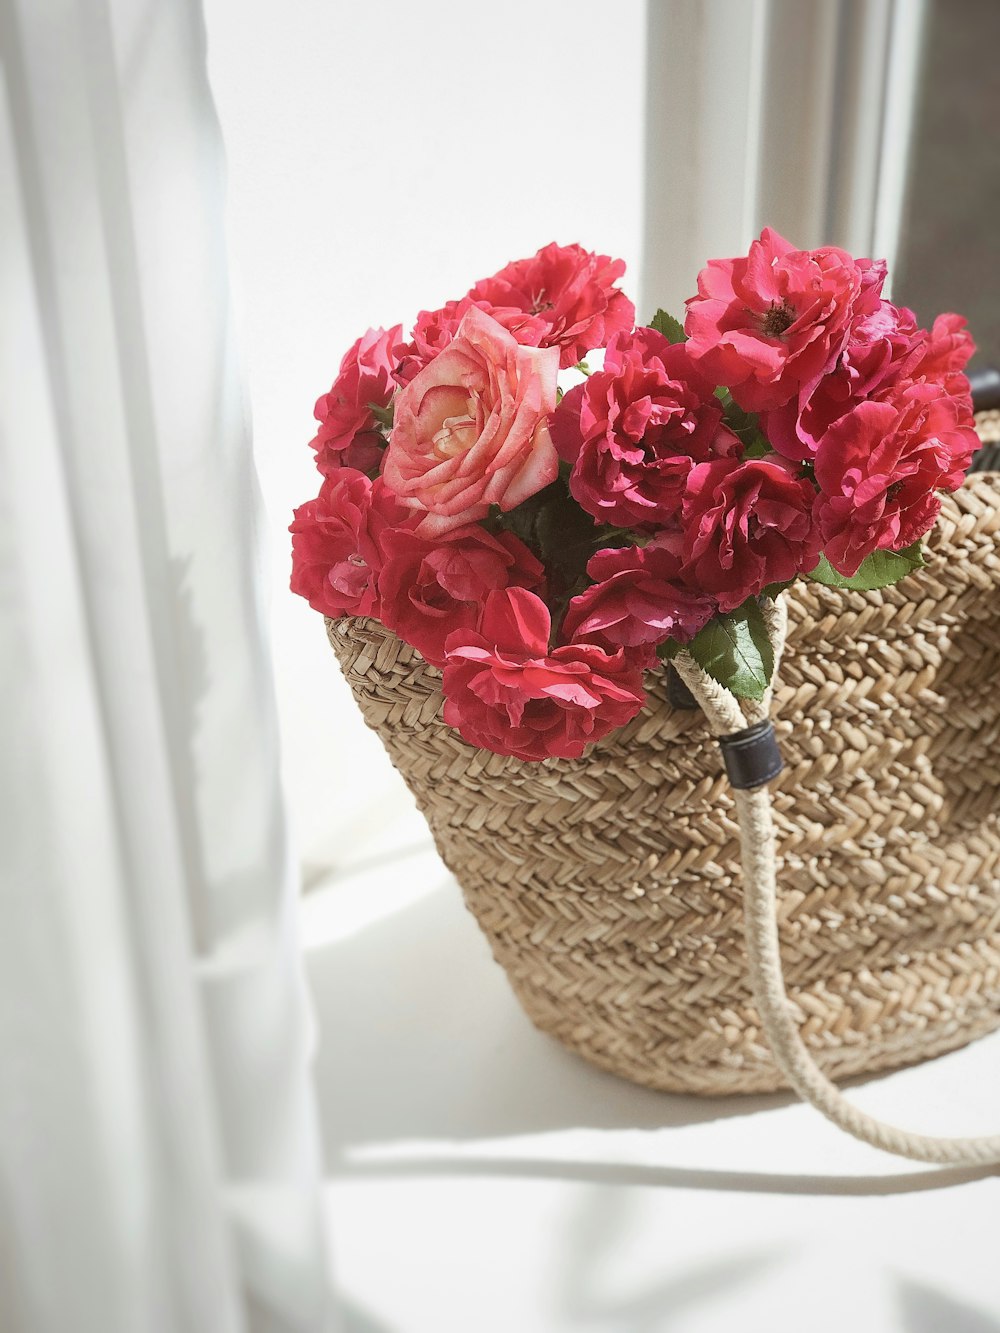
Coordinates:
[757,842]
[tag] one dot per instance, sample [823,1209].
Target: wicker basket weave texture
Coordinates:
[609,887]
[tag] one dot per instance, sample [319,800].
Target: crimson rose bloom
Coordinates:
[571,290]
[771,323]
[428,589]
[507,692]
[348,433]
[885,350]
[879,468]
[634,430]
[747,525]
[946,353]
[336,553]
[883,346]
[638,599]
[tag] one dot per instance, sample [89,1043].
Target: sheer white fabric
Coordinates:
[159,1165]
[811,136]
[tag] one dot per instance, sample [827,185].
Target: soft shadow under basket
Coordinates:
[621,892]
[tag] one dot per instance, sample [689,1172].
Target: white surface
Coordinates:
[381,158]
[484,1180]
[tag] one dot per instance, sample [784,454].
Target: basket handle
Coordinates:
[757,840]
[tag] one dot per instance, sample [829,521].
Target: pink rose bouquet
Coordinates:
[545,533]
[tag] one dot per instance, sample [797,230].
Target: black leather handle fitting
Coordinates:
[752,756]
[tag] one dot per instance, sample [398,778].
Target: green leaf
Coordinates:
[739,420]
[773,590]
[668,649]
[879,570]
[747,426]
[672,329]
[383,415]
[522,522]
[734,649]
[493,521]
[559,532]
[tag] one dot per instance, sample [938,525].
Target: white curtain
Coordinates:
[159,1163]
[775,113]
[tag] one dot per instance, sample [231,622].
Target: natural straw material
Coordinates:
[760,900]
[610,887]
[988,426]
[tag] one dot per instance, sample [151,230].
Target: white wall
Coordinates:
[382,157]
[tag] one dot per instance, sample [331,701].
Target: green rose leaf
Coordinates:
[739,420]
[747,426]
[774,590]
[758,447]
[672,329]
[734,649]
[668,650]
[383,415]
[879,570]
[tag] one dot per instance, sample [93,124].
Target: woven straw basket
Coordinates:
[609,887]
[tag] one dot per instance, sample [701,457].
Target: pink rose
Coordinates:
[506,691]
[435,329]
[949,349]
[884,346]
[336,538]
[879,468]
[775,321]
[638,599]
[747,525]
[348,432]
[470,428]
[429,589]
[571,290]
[634,430]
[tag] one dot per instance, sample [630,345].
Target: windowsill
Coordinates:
[505,1184]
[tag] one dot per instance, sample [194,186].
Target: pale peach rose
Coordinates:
[470,429]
